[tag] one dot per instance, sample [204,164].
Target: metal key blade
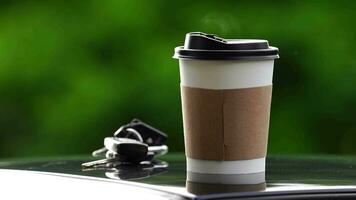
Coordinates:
[97,163]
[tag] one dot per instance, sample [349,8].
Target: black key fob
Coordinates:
[126,150]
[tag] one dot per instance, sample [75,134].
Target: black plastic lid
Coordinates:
[205,46]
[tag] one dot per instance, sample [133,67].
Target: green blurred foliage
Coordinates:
[72,72]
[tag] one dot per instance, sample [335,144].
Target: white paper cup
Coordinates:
[226,88]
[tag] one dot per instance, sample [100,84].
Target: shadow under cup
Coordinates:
[226,90]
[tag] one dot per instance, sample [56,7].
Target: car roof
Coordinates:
[285,175]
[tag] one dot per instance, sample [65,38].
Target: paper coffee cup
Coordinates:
[226,89]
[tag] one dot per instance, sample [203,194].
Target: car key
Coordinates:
[140,131]
[102,151]
[126,149]
[123,147]
[152,152]
[132,143]
[120,150]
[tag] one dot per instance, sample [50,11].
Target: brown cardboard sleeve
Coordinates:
[226,124]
